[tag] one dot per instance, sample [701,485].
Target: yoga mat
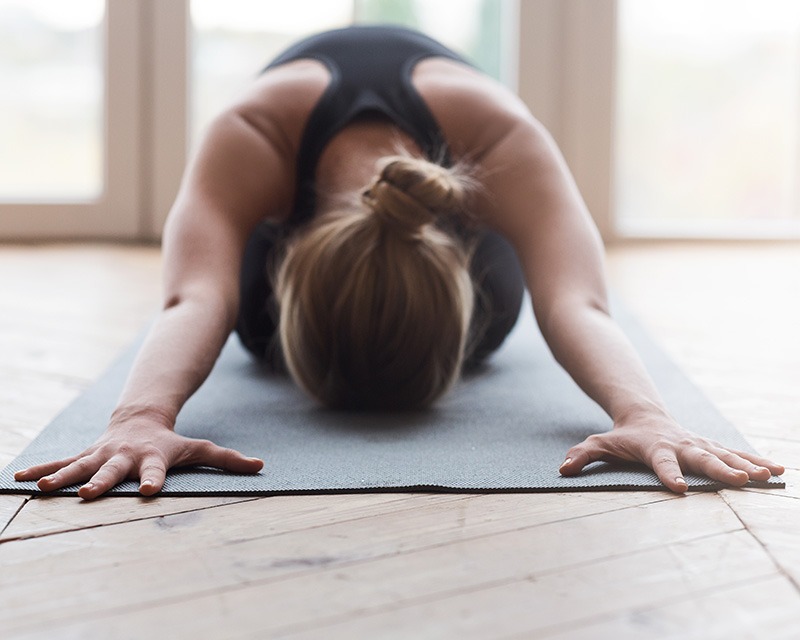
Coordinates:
[504,428]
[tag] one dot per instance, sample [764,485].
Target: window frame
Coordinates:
[115,213]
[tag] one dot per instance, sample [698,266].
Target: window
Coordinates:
[707,117]
[70,75]
[51,62]
[233,40]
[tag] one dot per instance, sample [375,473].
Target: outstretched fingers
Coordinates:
[613,447]
[670,451]
[38,471]
[152,474]
[115,457]
[75,472]
[736,461]
[709,463]
[205,452]
[110,474]
[590,450]
[759,461]
[665,464]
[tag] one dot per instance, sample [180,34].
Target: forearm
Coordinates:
[175,359]
[592,348]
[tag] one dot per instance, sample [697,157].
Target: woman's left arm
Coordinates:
[533,201]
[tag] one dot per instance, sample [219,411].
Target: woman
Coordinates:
[346,145]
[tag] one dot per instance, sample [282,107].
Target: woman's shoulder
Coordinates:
[474,111]
[279,102]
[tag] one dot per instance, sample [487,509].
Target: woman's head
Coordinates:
[375,300]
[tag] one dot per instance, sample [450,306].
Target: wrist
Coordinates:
[638,412]
[150,415]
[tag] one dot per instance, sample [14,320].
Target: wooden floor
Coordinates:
[578,565]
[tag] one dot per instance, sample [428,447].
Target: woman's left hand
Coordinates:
[670,450]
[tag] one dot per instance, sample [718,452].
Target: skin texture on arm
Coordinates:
[242,173]
[530,197]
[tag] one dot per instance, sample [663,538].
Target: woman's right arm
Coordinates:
[240,175]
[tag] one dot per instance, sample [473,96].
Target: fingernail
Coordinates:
[88,486]
[680,480]
[48,479]
[566,462]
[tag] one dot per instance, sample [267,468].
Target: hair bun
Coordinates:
[410,192]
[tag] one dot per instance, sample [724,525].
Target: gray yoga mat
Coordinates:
[505,428]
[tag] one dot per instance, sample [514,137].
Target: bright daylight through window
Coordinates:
[51,105]
[707,123]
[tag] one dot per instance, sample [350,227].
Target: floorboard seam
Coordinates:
[766,549]
[11,519]
[472,496]
[175,513]
[47,534]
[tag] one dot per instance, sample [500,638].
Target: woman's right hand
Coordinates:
[140,449]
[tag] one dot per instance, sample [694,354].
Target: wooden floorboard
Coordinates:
[577,565]
[752,609]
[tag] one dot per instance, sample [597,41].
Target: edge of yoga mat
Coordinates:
[55,440]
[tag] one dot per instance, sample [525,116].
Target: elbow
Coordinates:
[211,304]
[571,309]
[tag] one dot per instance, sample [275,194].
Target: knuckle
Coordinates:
[113,466]
[661,449]
[574,452]
[125,449]
[152,470]
[664,461]
[82,465]
[150,451]
[204,446]
[594,442]
[728,457]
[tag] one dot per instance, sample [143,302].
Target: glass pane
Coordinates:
[707,122]
[233,40]
[51,104]
[471,27]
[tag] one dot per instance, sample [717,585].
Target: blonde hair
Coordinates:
[375,300]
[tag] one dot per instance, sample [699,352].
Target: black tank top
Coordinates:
[370,69]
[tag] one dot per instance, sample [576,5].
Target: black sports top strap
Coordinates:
[370,70]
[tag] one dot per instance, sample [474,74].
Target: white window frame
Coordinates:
[116,212]
[567,58]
